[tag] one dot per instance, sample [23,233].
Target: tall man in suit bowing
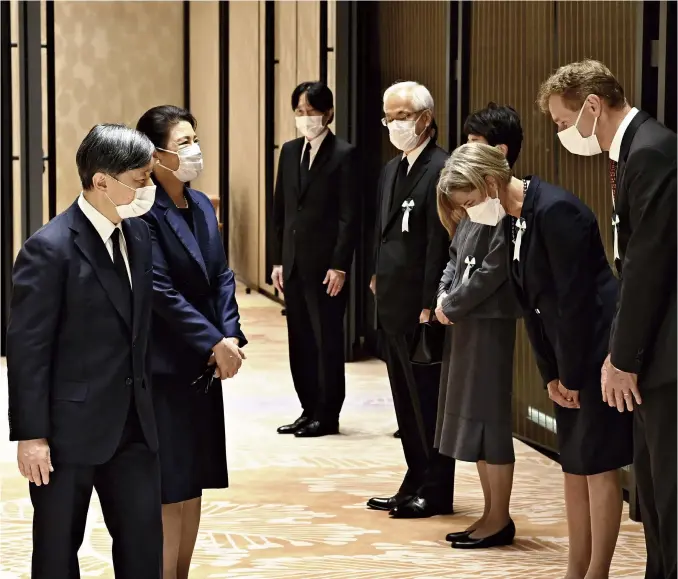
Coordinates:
[411,252]
[587,103]
[316,212]
[79,394]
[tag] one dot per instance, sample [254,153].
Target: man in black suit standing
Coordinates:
[411,252]
[316,212]
[79,395]
[587,103]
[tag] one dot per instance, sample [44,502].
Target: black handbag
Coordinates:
[427,347]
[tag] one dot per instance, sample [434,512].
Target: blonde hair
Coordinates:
[575,81]
[465,171]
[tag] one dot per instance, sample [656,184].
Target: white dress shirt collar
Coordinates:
[413,155]
[615,147]
[101,223]
[315,146]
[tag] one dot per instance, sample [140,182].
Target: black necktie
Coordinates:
[119,265]
[399,182]
[305,164]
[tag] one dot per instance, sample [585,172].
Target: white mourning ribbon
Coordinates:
[615,232]
[470,261]
[408,205]
[522,226]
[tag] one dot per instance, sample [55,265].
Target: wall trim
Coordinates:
[187,54]
[51,113]
[269,134]
[224,87]
[323,42]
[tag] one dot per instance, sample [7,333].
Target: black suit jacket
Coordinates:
[74,356]
[408,265]
[316,226]
[644,338]
[565,285]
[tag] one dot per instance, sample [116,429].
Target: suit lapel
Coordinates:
[404,190]
[94,250]
[387,190]
[136,266]
[527,213]
[322,156]
[293,165]
[625,148]
[183,232]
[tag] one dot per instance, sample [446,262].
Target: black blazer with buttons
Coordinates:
[408,265]
[565,285]
[74,353]
[644,336]
[316,226]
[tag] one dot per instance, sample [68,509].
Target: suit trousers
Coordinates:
[315,328]
[655,469]
[128,486]
[415,397]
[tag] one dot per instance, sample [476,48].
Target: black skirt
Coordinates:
[192,439]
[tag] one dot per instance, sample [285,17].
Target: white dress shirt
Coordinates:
[105,229]
[615,147]
[315,145]
[413,155]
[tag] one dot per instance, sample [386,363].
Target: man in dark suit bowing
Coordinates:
[79,395]
[588,104]
[411,252]
[316,214]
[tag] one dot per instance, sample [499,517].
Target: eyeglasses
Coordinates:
[403,116]
[208,376]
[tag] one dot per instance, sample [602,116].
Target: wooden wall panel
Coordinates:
[508,69]
[308,40]
[243,138]
[413,46]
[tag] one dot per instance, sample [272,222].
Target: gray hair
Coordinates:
[112,149]
[418,94]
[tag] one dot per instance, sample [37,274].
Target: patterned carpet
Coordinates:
[296,507]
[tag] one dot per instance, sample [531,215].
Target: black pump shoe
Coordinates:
[501,539]
[459,536]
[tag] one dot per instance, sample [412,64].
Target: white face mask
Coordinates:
[310,127]
[190,163]
[489,212]
[573,141]
[403,134]
[144,197]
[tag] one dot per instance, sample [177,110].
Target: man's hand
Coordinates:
[334,280]
[619,388]
[562,396]
[425,316]
[442,318]
[373,284]
[277,278]
[228,357]
[34,460]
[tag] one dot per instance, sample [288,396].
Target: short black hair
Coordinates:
[318,95]
[112,149]
[499,125]
[156,123]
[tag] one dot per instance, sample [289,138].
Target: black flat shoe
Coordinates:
[315,428]
[459,536]
[387,503]
[296,425]
[419,508]
[501,539]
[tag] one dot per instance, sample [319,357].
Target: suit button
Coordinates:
[383,240]
[134,344]
[128,381]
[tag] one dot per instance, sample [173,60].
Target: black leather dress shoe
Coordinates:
[387,503]
[396,434]
[459,536]
[316,428]
[296,425]
[501,539]
[419,508]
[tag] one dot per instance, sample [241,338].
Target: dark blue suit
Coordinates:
[194,307]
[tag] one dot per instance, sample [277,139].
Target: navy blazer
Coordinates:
[194,303]
[565,285]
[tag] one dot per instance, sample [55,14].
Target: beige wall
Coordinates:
[204,83]
[113,61]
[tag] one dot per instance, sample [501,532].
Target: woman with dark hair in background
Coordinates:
[196,337]
[478,303]
[565,285]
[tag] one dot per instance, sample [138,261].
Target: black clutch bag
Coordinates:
[427,347]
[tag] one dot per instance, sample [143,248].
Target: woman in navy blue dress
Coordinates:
[562,278]
[196,336]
